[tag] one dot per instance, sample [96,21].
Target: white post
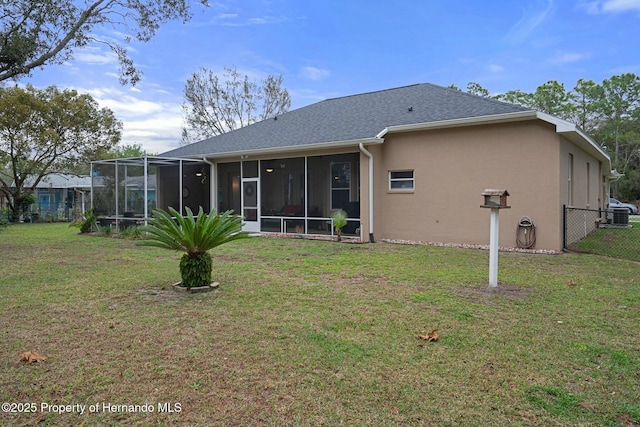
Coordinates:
[493,247]
[146,189]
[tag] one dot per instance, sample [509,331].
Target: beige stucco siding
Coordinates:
[453,166]
[587,190]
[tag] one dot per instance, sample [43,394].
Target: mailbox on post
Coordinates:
[495,199]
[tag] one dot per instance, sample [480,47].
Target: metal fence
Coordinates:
[613,232]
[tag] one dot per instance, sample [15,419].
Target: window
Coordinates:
[340,184]
[401,180]
[588,184]
[250,169]
[570,181]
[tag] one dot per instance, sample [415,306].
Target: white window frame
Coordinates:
[340,189]
[570,181]
[411,180]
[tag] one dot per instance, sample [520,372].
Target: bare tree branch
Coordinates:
[38,33]
[213,107]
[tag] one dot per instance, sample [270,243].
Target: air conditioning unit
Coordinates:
[620,217]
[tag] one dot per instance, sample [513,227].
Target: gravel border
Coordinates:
[470,246]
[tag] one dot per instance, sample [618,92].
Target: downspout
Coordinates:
[91,193]
[212,186]
[370,156]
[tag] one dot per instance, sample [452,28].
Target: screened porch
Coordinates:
[295,195]
[124,191]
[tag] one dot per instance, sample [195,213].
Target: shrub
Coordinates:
[132,232]
[196,271]
[339,221]
[88,223]
[104,230]
[194,236]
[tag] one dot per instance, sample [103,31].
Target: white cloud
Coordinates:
[611,6]
[96,58]
[149,117]
[234,20]
[495,68]
[314,73]
[620,5]
[157,133]
[131,105]
[531,19]
[568,57]
[226,16]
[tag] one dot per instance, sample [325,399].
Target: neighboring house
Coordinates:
[408,163]
[59,196]
[131,192]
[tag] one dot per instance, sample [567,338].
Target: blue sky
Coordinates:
[333,48]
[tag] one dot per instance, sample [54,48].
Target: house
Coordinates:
[130,193]
[409,163]
[58,196]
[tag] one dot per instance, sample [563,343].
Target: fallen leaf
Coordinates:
[432,336]
[626,420]
[31,356]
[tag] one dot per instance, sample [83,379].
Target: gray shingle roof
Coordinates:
[350,118]
[59,180]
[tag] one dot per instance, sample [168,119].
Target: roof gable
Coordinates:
[350,118]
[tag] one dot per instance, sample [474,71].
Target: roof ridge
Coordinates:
[372,92]
[486,98]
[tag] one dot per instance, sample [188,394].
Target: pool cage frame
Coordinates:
[114,181]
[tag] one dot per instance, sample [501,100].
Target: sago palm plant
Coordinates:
[339,221]
[194,236]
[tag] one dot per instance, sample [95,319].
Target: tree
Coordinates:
[608,112]
[39,33]
[195,237]
[214,106]
[619,107]
[587,96]
[127,151]
[473,89]
[48,131]
[516,97]
[477,89]
[118,152]
[552,98]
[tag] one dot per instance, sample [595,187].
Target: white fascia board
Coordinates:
[465,121]
[575,135]
[294,148]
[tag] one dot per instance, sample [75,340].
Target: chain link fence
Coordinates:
[612,232]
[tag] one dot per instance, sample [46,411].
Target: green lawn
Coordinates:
[614,242]
[314,333]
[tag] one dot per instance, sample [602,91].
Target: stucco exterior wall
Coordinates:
[583,174]
[451,169]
